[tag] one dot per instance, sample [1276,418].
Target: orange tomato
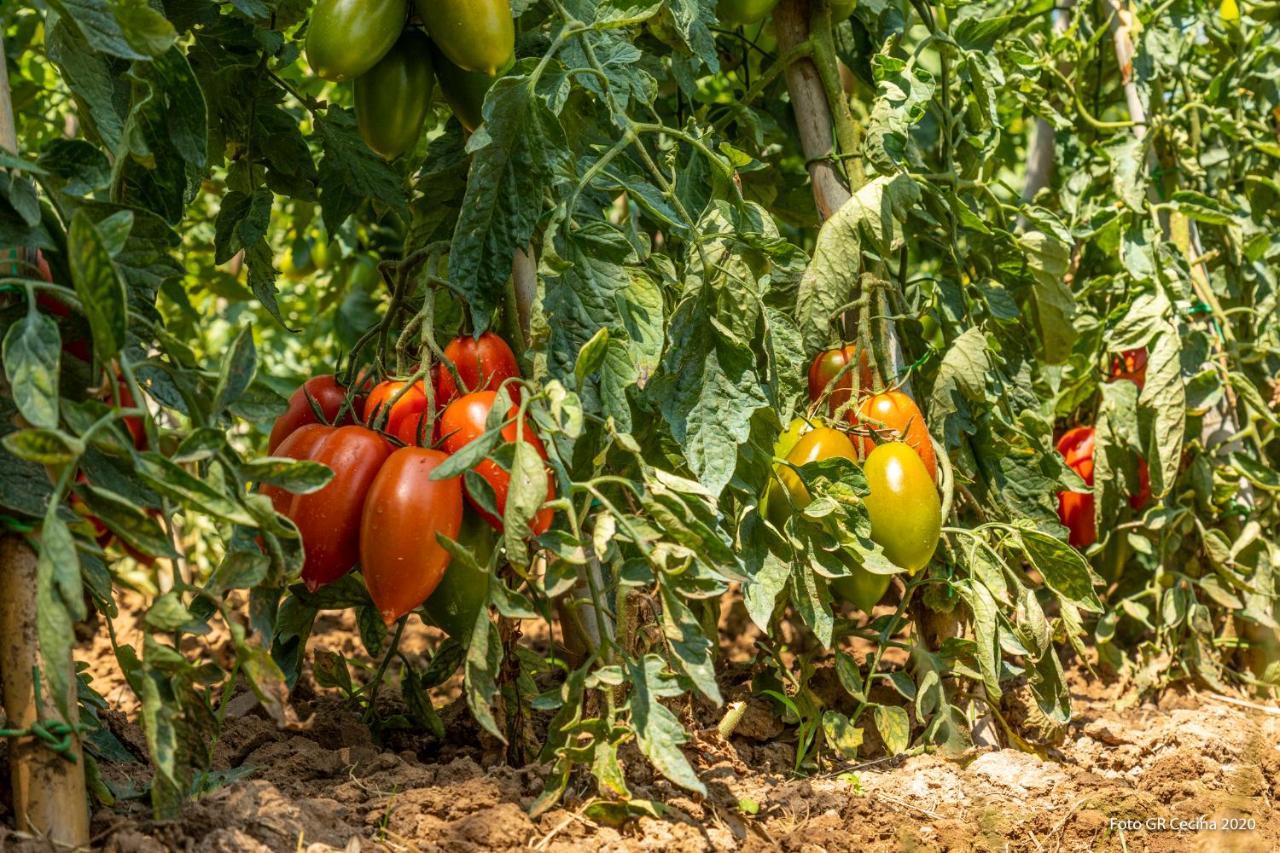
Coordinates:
[896,417]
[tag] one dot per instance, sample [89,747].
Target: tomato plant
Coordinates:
[646,225]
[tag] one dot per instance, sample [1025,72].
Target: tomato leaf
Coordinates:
[32,351]
[99,286]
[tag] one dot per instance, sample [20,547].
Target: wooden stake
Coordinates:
[48,790]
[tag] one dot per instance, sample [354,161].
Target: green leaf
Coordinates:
[168,613]
[170,479]
[238,369]
[526,493]
[658,733]
[330,670]
[99,22]
[44,446]
[708,394]
[1064,569]
[1048,259]
[592,354]
[894,727]
[843,737]
[299,476]
[850,676]
[873,214]
[32,350]
[691,652]
[351,174]
[480,672]
[515,155]
[99,286]
[1163,403]
[147,31]
[139,529]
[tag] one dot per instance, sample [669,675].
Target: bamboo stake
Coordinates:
[48,790]
[812,112]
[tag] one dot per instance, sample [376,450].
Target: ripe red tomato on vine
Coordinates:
[463,422]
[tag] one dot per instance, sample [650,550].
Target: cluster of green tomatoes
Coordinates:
[396,58]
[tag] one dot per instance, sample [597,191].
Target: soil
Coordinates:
[1186,771]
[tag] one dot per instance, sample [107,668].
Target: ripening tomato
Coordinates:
[300,444]
[463,591]
[896,416]
[826,365]
[741,13]
[464,91]
[906,513]
[329,520]
[462,422]
[393,97]
[1132,365]
[788,492]
[1076,509]
[476,35]
[328,396]
[400,557]
[348,37]
[402,417]
[483,364]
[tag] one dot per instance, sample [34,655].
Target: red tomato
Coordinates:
[463,421]
[1075,508]
[328,395]
[401,558]
[1132,365]
[483,365]
[401,418]
[895,416]
[824,369]
[329,519]
[300,444]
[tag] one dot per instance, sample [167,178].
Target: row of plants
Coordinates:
[978,423]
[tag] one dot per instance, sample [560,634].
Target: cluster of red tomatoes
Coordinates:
[382,510]
[884,432]
[1075,509]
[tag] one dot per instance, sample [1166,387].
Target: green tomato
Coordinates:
[394,97]
[740,13]
[476,35]
[787,491]
[348,37]
[863,588]
[841,9]
[463,91]
[906,514]
[463,591]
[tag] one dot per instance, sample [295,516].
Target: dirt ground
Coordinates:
[1189,772]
